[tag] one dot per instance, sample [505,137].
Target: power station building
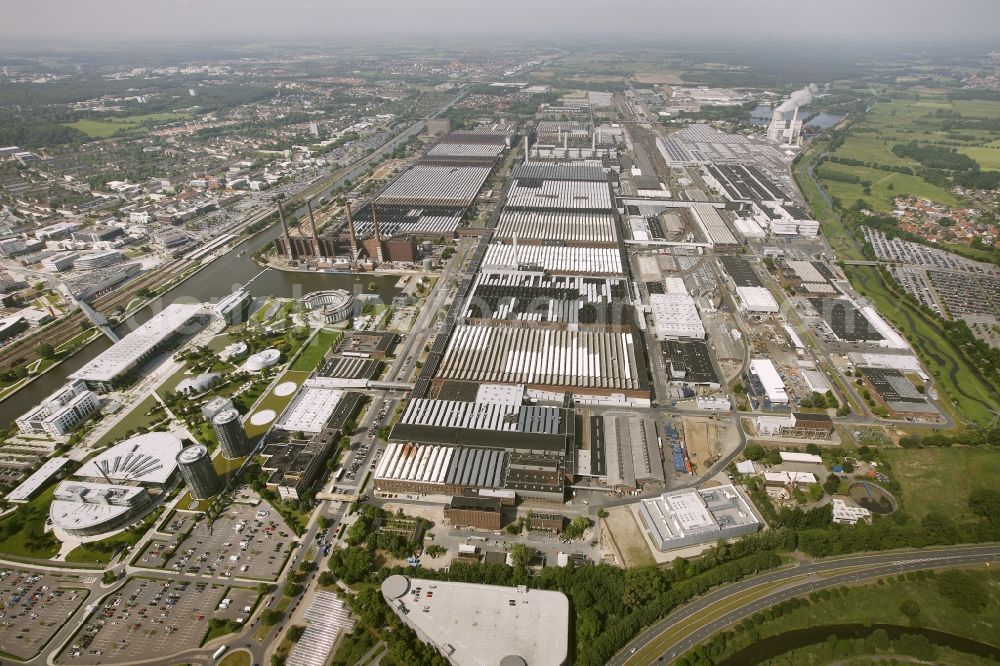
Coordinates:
[198,472]
[232,437]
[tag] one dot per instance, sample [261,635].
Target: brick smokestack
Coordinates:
[312,224]
[288,237]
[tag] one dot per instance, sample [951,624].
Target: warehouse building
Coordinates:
[472,624]
[756,301]
[311,410]
[578,172]
[631,451]
[555,259]
[892,389]
[424,185]
[688,362]
[765,385]
[713,229]
[531,227]
[126,355]
[690,517]
[675,316]
[744,183]
[845,319]
[587,362]
[439,470]
[527,296]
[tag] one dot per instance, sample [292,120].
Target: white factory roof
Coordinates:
[148,458]
[426,464]
[466,150]
[484,625]
[557,226]
[773,385]
[793,337]
[674,285]
[901,362]
[795,456]
[568,194]
[555,258]
[713,227]
[41,475]
[805,271]
[675,316]
[745,467]
[891,338]
[436,183]
[683,513]
[123,355]
[481,416]
[757,299]
[310,410]
[597,359]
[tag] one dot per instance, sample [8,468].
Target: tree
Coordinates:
[271,616]
[910,609]
[602,513]
[985,502]
[832,484]
[295,632]
[45,351]
[521,555]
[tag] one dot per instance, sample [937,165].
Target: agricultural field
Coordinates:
[928,120]
[940,479]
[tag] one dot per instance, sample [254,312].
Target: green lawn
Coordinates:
[317,347]
[102,129]
[237,658]
[275,402]
[21,532]
[940,479]
[882,196]
[137,419]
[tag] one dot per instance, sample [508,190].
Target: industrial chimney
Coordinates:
[312,223]
[525,148]
[288,237]
[378,235]
[351,233]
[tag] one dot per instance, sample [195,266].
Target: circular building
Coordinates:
[232,437]
[235,350]
[198,472]
[335,304]
[198,384]
[83,509]
[261,360]
[148,460]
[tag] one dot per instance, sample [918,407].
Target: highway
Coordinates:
[723,607]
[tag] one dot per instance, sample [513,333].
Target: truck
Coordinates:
[221,651]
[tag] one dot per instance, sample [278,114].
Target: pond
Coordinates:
[874,498]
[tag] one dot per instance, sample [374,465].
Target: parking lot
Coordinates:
[149,617]
[366,444]
[33,607]
[244,541]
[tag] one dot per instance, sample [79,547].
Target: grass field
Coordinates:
[31,520]
[316,349]
[134,420]
[237,658]
[628,538]
[102,129]
[940,479]
[885,187]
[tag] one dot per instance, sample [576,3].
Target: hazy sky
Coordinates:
[130,20]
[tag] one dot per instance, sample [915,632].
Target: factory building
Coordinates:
[689,517]
[472,624]
[540,297]
[532,227]
[484,513]
[559,194]
[424,185]
[125,356]
[439,470]
[584,361]
[199,474]
[630,451]
[555,259]
[231,435]
[892,389]
[713,229]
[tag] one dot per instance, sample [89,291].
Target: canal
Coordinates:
[216,280]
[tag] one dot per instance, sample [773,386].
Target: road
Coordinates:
[792,581]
